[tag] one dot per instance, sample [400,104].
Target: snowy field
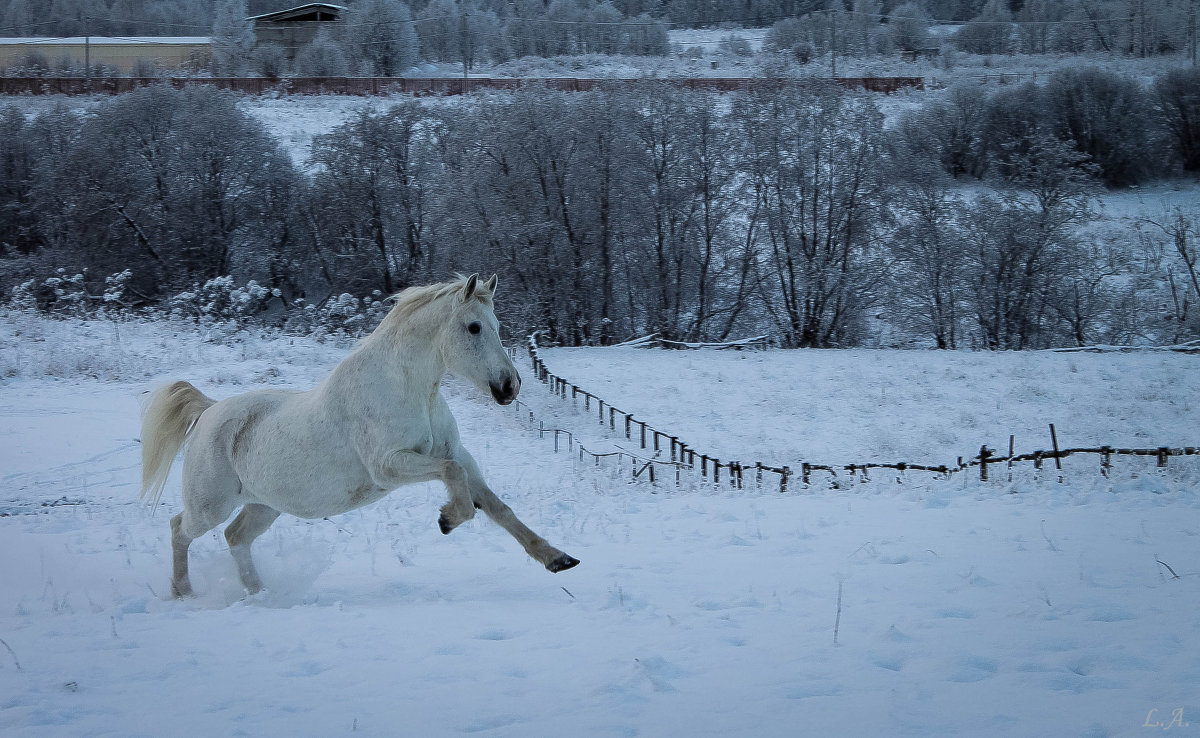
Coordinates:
[1021,608]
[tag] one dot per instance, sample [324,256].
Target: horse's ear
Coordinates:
[469,288]
[491,284]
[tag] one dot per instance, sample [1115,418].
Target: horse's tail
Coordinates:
[166,425]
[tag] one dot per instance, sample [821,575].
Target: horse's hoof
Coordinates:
[562,563]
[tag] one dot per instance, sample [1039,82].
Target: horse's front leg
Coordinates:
[408,467]
[484,498]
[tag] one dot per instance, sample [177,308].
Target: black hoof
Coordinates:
[445,525]
[562,563]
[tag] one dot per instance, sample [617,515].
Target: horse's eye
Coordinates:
[474,328]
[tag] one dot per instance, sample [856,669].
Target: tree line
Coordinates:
[859,28]
[792,211]
[389,37]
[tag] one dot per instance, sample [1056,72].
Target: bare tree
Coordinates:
[1022,244]
[1183,230]
[374,173]
[661,162]
[1176,96]
[1107,117]
[813,165]
[928,245]
[17,161]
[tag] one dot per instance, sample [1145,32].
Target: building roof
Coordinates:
[104,40]
[300,13]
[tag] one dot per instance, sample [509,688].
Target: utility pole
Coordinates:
[87,53]
[1192,31]
[462,44]
[1142,30]
[833,43]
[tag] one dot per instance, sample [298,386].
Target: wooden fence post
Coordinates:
[783,480]
[1163,453]
[983,462]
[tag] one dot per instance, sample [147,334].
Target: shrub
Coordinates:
[219,301]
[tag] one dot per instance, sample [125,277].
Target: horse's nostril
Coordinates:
[508,387]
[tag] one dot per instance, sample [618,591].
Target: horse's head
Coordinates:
[471,344]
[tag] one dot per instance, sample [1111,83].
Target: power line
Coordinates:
[542,21]
[1085,21]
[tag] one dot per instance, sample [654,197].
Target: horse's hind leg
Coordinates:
[186,527]
[210,492]
[181,586]
[248,525]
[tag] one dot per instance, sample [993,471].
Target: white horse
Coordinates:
[377,422]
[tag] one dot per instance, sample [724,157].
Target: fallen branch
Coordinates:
[1173,574]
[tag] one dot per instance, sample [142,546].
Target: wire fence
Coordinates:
[677,457]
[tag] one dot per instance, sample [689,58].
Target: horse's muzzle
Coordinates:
[505,392]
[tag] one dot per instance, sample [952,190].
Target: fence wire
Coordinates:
[684,457]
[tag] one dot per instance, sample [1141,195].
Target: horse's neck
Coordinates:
[390,365]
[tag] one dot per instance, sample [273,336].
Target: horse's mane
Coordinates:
[412,299]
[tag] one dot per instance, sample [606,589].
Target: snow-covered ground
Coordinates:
[929,607]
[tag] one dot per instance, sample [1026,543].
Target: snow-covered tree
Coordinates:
[908,26]
[321,57]
[380,38]
[232,38]
[990,32]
